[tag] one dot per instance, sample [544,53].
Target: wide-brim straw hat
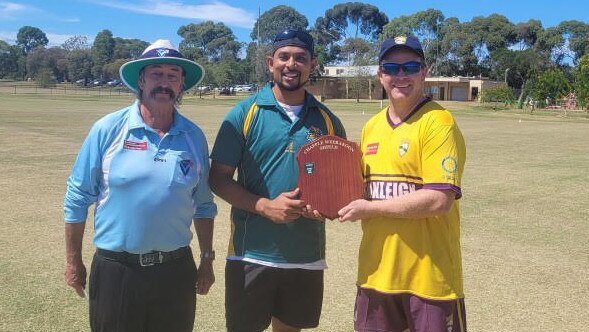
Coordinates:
[161,52]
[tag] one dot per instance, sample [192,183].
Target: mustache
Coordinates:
[161,89]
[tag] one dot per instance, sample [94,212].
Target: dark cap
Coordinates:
[293,37]
[409,42]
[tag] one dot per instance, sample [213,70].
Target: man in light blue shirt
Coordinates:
[145,168]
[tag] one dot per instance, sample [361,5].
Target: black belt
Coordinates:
[147,259]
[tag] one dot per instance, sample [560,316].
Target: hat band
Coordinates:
[161,53]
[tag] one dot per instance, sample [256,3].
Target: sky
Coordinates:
[149,20]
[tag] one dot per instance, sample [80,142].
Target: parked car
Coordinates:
[98,82]
[203,88]
[226,90]
[114,82]
[242,88]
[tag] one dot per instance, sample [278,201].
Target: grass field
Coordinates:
[525,218]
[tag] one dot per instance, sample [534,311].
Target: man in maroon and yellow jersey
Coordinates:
[413,154]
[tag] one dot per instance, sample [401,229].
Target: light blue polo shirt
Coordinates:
[146,189]
[259,139]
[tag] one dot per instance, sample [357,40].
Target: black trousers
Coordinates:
[129,297]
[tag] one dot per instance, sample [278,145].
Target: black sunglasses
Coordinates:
[409,68]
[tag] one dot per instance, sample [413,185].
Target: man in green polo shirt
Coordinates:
[276,258]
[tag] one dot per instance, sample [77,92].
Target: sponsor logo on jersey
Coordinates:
[132,145]
[403,148]
[290,147]
[380,190]
[185,166]
[371,148]
[314,133]
[310,168]
[450,165]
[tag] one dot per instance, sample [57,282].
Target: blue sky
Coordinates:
[149,20]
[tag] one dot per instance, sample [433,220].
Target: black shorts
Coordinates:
[255,293]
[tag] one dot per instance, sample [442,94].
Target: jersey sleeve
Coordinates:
[205,206]
[83,185]
[339,127]
[230,141]
[443,154]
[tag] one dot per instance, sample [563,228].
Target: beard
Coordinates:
[291,87]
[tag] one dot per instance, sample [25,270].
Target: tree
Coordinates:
[550,86]
[270,23]
[499,93]
[582,81]
[518,67]
[527,33]
[80,65]
[111,70]
[75,43]
[128,48]
[455,51]
[276,20]
[102,51]
[256,58]
[427,27]
[44,78]
[362,78]
[29,37]
[214,41]
[577,35]
[357,48]
[350,20]
[551,43]
[8,60]
[52,60]
[366,21]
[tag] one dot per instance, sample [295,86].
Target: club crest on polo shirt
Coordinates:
[290,147]
[185,166]
[403,148]
[314,133]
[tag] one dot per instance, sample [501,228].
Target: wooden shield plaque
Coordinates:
[330,175]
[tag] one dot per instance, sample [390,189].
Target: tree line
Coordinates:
[536,61]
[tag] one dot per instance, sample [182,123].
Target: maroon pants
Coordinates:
[376,311]
[130,297]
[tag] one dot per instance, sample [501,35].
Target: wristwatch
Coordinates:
[210,255]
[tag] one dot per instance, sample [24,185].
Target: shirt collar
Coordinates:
[266,98]
[180,125]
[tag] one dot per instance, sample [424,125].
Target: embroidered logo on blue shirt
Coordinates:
[185,166]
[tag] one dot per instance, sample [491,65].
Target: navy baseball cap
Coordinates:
[292,37]
[409,42]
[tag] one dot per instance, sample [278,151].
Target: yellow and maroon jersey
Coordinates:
[418,256]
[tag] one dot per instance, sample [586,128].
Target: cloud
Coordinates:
[214,11]
[10,10]
[54,38]
[8,36]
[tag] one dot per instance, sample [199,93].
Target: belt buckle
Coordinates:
[151,258]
